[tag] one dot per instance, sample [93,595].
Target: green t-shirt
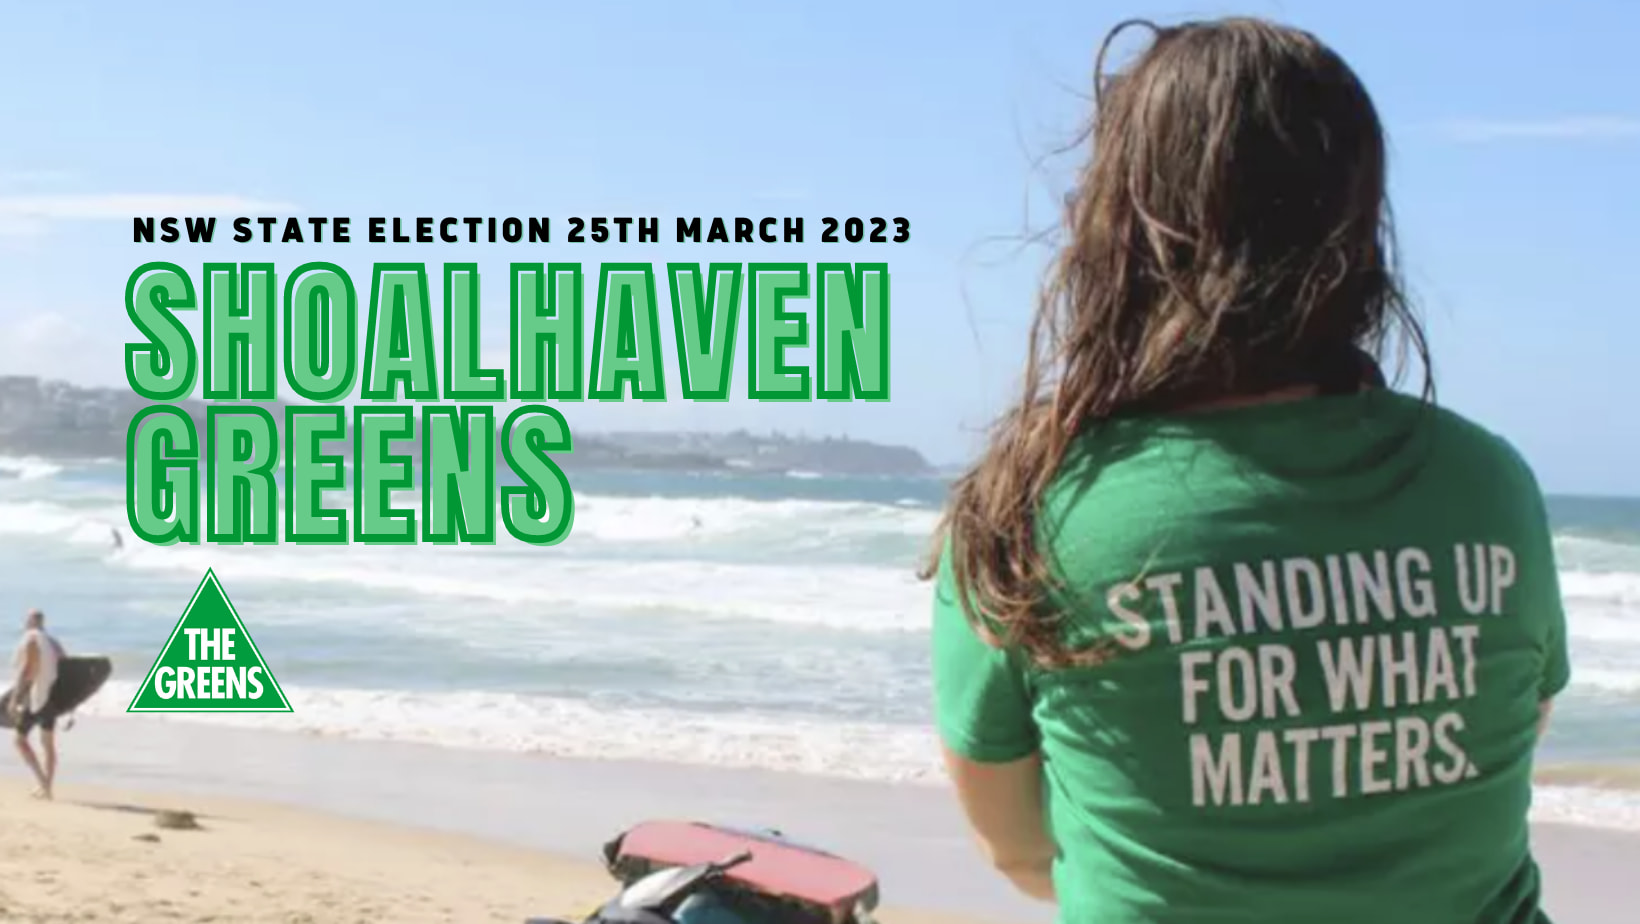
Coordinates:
[1331,622]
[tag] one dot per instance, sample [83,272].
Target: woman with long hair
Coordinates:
[1226,630]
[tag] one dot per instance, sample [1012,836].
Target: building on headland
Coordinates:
[51,418]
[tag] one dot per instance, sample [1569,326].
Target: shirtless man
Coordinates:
[34,672]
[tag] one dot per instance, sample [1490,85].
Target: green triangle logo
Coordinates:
[209,664]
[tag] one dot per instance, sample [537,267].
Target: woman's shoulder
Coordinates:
[1138,471]
[1470,445]
[1366,416]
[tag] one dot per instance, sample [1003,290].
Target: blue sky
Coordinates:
[1515,133]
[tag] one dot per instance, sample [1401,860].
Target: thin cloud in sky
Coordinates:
[52,344]
[30,214]
[1570,128]
[32,177]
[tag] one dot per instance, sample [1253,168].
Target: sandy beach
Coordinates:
[355,832]
[299,829]
[97,854]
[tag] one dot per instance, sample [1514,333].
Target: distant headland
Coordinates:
[59,420]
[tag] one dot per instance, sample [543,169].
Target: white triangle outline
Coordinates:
[210,578]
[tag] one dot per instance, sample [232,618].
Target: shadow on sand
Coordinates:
[175,819]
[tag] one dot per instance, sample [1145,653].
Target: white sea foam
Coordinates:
[855,597]
[1579,553]
[1620,588]
[77,526]
[1604,608]
[1587,805]
[864,597]
[1605,680]
[571,728]
[641,520]
[27,468]
[668,519]
[736,563]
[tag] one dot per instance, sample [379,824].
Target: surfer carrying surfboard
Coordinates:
[34,673]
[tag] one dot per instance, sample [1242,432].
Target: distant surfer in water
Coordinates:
[34,673]
[119,543]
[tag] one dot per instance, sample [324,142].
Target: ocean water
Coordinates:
[769,621]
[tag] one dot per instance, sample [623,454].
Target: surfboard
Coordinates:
[79,677]
[780,868]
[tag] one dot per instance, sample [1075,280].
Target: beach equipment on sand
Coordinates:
[675,872]
[79,677]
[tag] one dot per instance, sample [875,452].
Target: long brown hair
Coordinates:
[1229,236]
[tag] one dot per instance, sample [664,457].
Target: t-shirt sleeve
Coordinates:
[1557,667]
[981,704]
[1544,606]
